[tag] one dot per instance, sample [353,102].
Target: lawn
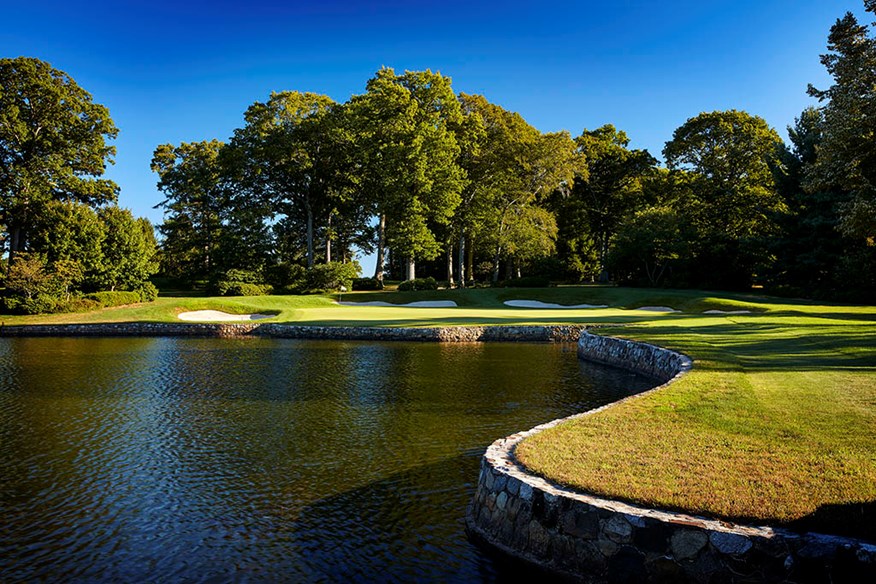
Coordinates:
[776,423]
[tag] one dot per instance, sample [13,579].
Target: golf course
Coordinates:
[774,425]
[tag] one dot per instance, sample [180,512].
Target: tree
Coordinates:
[408,165]
[53,145]
[68,233]
[292,142]
[728,162]
[847,153]
[128,250]
[609,193]
[191,177]
[513,167]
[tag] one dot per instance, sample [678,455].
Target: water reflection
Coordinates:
[259,459]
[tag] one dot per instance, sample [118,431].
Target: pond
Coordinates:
[257,459]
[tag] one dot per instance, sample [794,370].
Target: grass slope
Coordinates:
[776,423]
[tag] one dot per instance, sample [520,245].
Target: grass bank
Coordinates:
[776,423]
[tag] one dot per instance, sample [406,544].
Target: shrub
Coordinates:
[243,289]
[242,283]
[367,284]
[418,284]
[332,276]
[286,276]
[148,292]
[37,304]
[117,298]
[77,305]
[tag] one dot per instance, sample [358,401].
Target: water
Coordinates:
[212,460]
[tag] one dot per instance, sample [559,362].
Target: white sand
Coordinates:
[215,316]
[418,304]
[726,312]
[657,309]
[539,304]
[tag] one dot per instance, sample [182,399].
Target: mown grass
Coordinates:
[776,423]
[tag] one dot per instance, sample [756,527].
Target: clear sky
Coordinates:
[186,71]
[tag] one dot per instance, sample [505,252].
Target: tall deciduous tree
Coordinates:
[728,161]
[513,166]
[600,201]
[128,250]
[53,145]
[191,177]
[294,145]
[409,165]
[70,236]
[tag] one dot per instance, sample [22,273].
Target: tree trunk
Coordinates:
[328,241]
[496,265]
[381,246]
[449,265]
[309,235]
[509,269]
[603,254]
[469,262]
[412,269]
[462,272]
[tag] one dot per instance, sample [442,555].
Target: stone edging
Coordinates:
[559,333]
[594,539]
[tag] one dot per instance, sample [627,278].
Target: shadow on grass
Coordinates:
[850,519]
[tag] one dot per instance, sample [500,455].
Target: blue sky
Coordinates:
[173,73]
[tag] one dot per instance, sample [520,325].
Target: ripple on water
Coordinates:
[262,459]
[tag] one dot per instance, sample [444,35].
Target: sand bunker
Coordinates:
[726,312]
[418,304]
[539,304]
[215,315]
[657,309]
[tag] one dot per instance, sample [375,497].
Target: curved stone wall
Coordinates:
[593,539]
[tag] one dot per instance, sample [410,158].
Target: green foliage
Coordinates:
[227,288]
[367,284]
[147,291]
[71,232]
[332,276]
[242,283]
[286,276]
[37,304]
[28,276]
[52,145]
[601,199]
[191,177]
[418,284]
[647,245]
[128,250]
[408,158]
[724,170]
[121,298]
[513,166]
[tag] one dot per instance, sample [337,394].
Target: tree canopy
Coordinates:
[53,145]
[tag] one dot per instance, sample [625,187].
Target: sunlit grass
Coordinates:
[776,423]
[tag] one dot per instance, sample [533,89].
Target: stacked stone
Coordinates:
[591,539]
[642,358]
[461,334]
[136,329]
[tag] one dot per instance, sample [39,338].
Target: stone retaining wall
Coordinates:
[592,539]
[564,333]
